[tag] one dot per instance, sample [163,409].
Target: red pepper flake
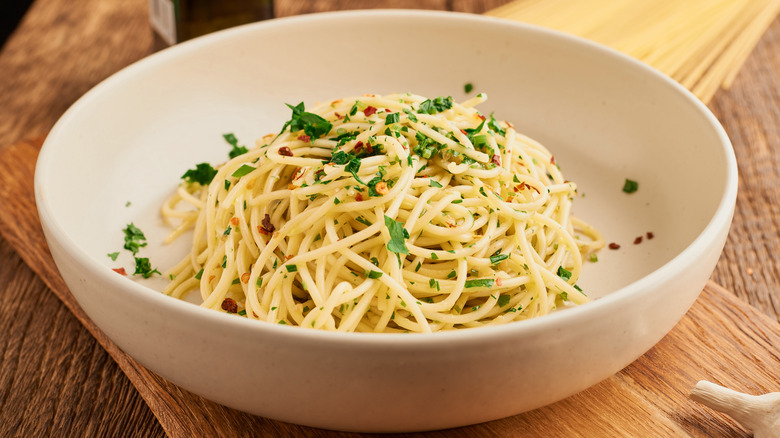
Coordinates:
[338,116]
[266,226]
[120,271]
[650,235]
[388,110]
[369,111]
[234,220]
[552,159]
[358,146]
[229,305]
[638,240]
[481,116]
[245,277]
[464,132]
[288,257]
[359,197]
[284,150]
[304,138]
[381,188]
[496,159]
[498,281]
[614,245]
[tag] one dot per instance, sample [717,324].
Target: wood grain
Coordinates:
[750,113]
[55,379]
[721,339]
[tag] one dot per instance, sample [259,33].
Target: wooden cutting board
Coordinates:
[721,339]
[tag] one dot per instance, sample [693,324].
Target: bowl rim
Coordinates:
[575,315]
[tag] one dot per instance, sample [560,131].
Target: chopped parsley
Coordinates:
[353,167]
[351,161]
[245,169]
[503,300]
[374,274]
[292,268]
[202,174]
[392,118]
[113,255]
[495,259]
[236,149]
[564,273]
[435,183]
[481,282]
[630,186]
[134,238]
[144,268]
[411,115]
[398,236]
[494,126]
[436,105]
[312,125]
[468,87]
[372,186]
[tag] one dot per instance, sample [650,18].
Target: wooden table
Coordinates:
[55,379]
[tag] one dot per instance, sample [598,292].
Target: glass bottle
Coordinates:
[174,21]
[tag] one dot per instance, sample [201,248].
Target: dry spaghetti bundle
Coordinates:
[700,43]
[384,214]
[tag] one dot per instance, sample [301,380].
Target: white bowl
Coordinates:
[605,116]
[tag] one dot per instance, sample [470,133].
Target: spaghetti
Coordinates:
[384,214]
[700,43]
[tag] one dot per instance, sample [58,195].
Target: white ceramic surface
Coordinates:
[604,116]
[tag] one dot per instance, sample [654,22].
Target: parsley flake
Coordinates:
[245,169]
[495,259]
[134,238]
[144,268]
[436,105]
[202,174]
[564,273]
[398,235]
[233,141]
[630,186]
[480,282]
[312,125]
